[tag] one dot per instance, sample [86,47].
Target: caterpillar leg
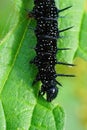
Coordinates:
[36,80]
[34,61]
[42,91]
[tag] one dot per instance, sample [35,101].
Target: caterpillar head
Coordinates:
[52,93]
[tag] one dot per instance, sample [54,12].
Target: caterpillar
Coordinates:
[47,33]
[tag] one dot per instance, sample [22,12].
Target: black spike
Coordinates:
[65,29]
[62,63]
[59,83]
[64,9]
[60,49]
[65,75]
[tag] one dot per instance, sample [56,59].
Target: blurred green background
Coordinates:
[73,97]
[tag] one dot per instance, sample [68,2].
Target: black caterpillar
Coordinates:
[46,14]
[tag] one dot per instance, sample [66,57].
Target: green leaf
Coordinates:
[82,49]
[72,17]
[2,118]
[20,107]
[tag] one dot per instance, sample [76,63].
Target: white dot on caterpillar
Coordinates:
[43,24]
[48,24]
[40,25]
[51,71]
[42,54]
[39,62]
[46,81]
[50,65]
[42,49]
[40,45]
[45,78]
[42,69]
[49,58]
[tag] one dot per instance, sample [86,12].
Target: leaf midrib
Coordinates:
[16,54]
